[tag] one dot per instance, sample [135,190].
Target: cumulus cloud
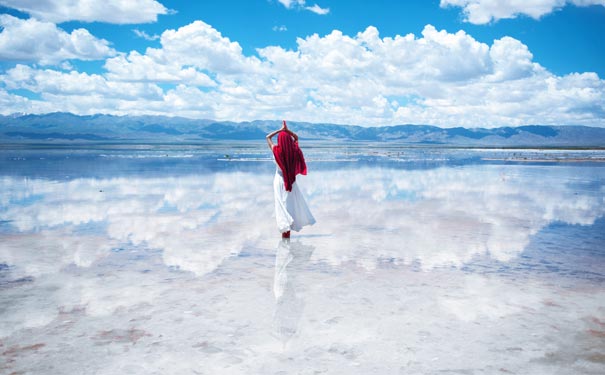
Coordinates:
[111,11]
[301,4]
[199,44]
[148,68]
[485,11]
[45,43]
[52,82]
[439,78]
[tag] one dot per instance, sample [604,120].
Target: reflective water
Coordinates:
[166,259]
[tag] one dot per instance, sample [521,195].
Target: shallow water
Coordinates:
[166,259]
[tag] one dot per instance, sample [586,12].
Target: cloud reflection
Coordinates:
[435,217]
[196,221]
[445,216]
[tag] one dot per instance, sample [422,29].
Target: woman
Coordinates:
[291,211]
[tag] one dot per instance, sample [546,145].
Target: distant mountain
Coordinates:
[67,127]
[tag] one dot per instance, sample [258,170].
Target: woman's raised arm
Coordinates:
[293,135]
[269,140]
[285,127]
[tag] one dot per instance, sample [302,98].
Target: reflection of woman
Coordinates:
[291,211]
[291,259]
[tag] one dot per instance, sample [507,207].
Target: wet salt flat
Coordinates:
[166,260]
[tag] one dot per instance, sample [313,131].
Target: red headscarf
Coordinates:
[290,158]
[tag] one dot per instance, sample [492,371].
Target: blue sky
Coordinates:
[445,63]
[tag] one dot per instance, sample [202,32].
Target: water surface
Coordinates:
[147,259]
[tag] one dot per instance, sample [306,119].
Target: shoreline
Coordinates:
[142,145]
[574,160]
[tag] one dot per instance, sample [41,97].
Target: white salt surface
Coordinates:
[477,269]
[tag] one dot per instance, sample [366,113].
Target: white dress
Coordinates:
[291,210]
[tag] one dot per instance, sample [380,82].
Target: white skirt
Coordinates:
[291,210]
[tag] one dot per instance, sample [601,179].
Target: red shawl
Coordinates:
[290,158]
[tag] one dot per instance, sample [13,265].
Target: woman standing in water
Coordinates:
[291,211]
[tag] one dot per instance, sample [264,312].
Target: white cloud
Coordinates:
[438,78]
[148,68]
[485,11]
[512,59]
[78,93]
[280,28]
[318,10]
[144,35]
[456,57]
[111,11]
[301,4]
[52,82]
[199,44]
[291,3]
[45,43]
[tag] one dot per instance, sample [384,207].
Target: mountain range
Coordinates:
[66,127]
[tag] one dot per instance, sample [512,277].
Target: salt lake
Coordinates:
[165,259]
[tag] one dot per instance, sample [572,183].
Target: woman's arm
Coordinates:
[285,127]
[269,140]
[293,135]
[272,134]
